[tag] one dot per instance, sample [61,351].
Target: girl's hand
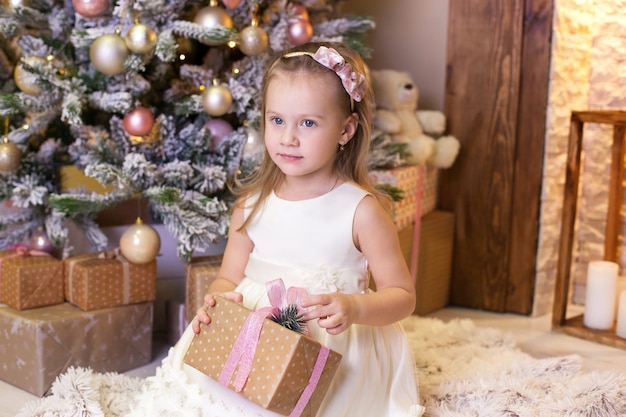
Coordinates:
[334,312]
[202,315]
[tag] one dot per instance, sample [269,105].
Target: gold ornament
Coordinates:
[10,156]
[217,99]
[213,17]
[108,53]
[10,5]
[254,40]
[141,39]
[140,243]
[27,81]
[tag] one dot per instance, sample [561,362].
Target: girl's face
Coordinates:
[304,125]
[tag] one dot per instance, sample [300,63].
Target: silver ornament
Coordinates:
[141,39]
[217,100]
[108,53]
[254,143]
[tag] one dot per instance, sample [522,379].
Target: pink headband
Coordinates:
[353,82]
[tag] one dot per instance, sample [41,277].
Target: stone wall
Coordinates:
[587,73]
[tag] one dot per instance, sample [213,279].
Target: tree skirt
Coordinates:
[463,370]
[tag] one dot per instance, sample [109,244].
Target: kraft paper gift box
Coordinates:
[29,279]
[39,344]
[200,272]
[407,179]
[282,364]
[107,279]
[3,254]
[434,265]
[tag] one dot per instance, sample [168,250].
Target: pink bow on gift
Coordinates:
[243,350]
[281,298]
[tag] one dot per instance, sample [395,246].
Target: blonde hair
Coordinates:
[351,164]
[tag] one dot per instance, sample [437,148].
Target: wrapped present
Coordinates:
[107,279]
[3,254]
[37,345]
[200,272]
[279,369]
[434,261]
[30,278]
[418,186]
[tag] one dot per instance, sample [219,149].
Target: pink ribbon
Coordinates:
[244,349]
[21,251]
[418,222]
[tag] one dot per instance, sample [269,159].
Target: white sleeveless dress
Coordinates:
[309,244]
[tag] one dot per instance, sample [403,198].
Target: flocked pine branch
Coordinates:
[181,168]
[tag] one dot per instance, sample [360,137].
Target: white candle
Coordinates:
[601,295]
[621,286]
[621,316]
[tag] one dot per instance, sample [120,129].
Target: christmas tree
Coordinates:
[157,100]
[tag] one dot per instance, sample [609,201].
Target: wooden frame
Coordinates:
[574,326]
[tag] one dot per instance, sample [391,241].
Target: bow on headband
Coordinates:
[353,82]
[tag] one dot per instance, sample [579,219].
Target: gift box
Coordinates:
[3,254]
[285,364]
[200,272]
[101,280]
[434,266]
[39,344]
[30,279]
[407,179]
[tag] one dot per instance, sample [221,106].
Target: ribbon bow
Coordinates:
[243,350]
[353,82]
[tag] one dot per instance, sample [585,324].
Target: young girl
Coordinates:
[311,217]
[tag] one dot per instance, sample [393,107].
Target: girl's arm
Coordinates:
[238,249]
[375,235]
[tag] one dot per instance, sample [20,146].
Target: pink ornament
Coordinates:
[231,4]
[139,121]
[39,241]
[300,32]
[296,11]
[219,130]
[90,8]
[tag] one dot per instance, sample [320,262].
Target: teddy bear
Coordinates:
[396,97]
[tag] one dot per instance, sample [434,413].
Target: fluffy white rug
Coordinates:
[463,370]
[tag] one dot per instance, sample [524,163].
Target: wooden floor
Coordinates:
[533,334]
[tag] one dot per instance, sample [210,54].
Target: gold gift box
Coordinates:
[30,281]
[200,272]
[102,280]
[281,366]
[39,344]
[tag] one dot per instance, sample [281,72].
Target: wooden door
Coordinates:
[496,98]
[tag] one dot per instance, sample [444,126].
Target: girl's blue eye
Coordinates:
[277,120]
[308,123]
